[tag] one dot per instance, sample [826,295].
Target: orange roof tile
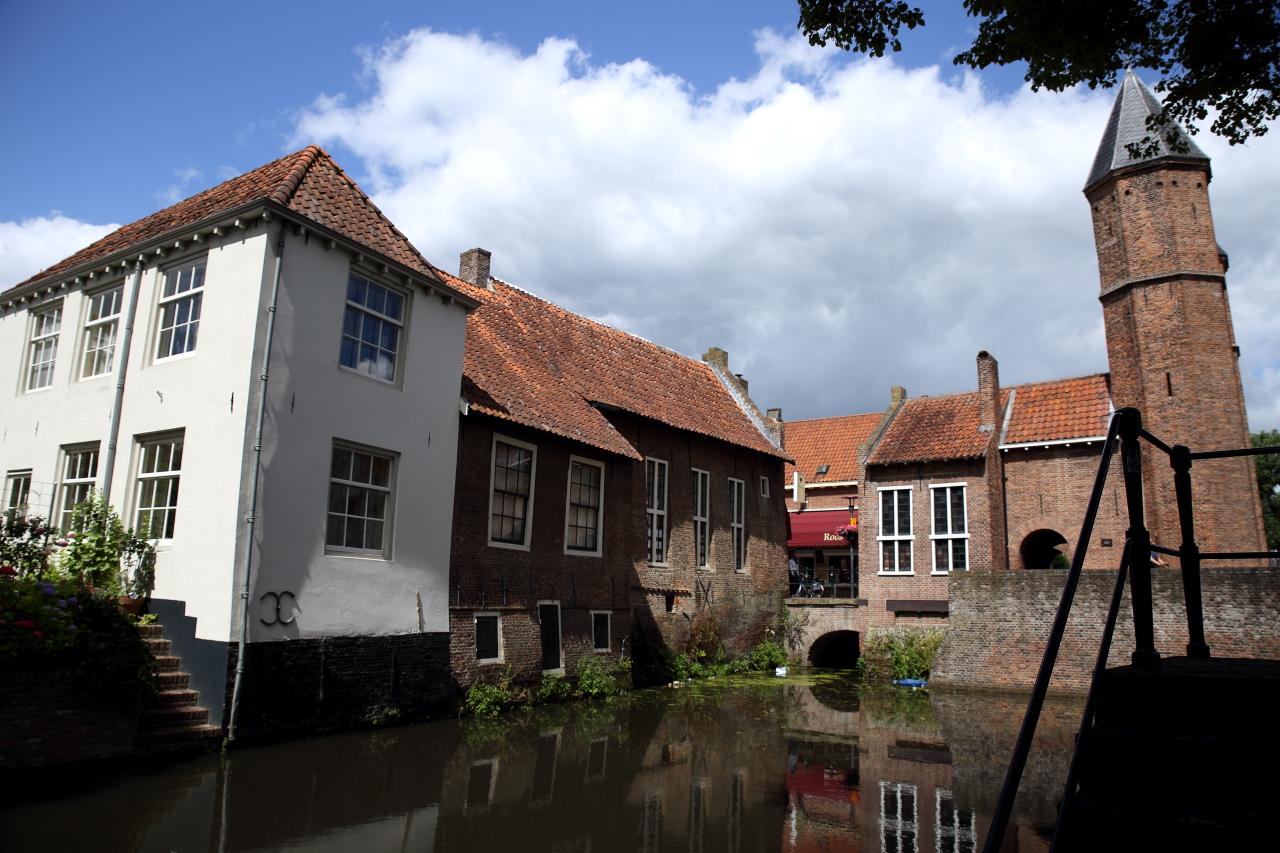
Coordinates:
[828,441]
[307,182]
[1062,409]
[934,428]
[535,363]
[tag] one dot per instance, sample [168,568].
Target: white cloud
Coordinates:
[28,246]
[838,225]
[180,188]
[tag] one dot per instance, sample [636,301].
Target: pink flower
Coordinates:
[24,623]
[39,635]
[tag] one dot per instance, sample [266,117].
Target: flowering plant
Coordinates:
[848,531]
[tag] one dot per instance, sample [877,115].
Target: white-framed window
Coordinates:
[899,820]
[488,638]
[597,759]
[159,470]
[601,630]
[895,531]
[79,476]
[361,500]
[584,508]
[956,833]
[101,320]
[764,487]
[46,324]
[950,535]
[372,328]
[738,523]
[655,488]
[181,299]
[17,492]
[701,518]
[511,492]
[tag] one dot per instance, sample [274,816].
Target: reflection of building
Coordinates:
[605,484]
[998,478]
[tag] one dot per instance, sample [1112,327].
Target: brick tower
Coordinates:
[1170,342]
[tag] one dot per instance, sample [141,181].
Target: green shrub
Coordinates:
[763,658]
[553,688]
[26,543]
[489,700]
[104,554]
[900,654]
[596,680]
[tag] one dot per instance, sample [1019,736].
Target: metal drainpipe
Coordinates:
[117,405]
[251,518]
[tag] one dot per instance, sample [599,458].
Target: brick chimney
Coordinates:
[473,267]
[776,414]
[717,357]
[742,380]
[988,392]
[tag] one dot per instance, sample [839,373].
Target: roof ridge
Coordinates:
[833,418]
[342,173]
[604,326]
[1099,375]
[283,193]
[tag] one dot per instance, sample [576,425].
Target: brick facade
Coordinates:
[1000,623]
[658,604]
[1171,345]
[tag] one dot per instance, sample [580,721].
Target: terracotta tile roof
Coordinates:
[308,182]
[828,441]
[1062,409]
[933,428]
[532,362]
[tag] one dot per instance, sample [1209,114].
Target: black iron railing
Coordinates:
[1135,564]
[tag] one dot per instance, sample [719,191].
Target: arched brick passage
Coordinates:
[837,649]
[1041,548]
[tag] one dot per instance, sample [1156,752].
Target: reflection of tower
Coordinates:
[1168,324]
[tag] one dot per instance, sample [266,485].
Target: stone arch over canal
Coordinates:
[825,633]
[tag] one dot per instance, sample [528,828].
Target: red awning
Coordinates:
[817,528]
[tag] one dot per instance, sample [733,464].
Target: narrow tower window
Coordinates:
[1168,382]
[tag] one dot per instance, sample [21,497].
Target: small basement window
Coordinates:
[600,630]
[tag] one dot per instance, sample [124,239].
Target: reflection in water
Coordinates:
[806,764]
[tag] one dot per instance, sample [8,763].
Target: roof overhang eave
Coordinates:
[232,217]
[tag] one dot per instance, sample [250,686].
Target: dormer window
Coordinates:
[822,470]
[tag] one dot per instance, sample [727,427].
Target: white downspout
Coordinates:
[117,405]
[251,518]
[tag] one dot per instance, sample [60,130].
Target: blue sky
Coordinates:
[693,173]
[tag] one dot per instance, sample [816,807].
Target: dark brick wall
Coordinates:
[510,581]
[1000,623]
[50,718]
[299,687]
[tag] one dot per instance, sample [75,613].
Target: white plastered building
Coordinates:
[136,366]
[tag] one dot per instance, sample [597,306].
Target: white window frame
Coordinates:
[604,759]
[948,535]
[476,617]
[169,509]
[17,492]
[384,551]
[896,536]
[401,323]
[193,294]
[764,487]
[568,507]
[738,522]
[92,348]
[655,516]
[897,826]
[533,490]
[951,837]
[495,763]
[80,483]
[42,340]
[701,522]
[608,615]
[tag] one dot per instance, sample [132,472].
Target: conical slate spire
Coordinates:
[1127,125]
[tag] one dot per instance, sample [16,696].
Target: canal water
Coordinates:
[813,762]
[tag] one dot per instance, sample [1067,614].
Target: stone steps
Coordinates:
[174,721]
